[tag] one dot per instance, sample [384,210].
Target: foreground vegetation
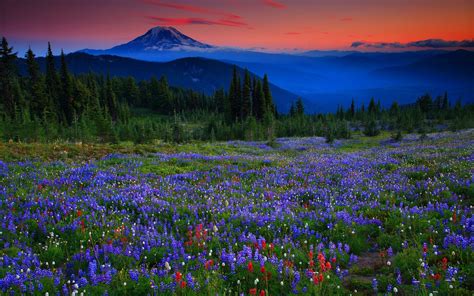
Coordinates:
[368,215]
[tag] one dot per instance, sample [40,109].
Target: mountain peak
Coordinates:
[158,29]
[162,38]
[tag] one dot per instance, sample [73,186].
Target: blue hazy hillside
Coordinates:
[199,74]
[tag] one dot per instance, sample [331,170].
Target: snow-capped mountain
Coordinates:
[158,39]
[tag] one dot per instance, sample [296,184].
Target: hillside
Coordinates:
[199,74]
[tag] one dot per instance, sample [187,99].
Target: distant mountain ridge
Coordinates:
[456,65]
[324,78]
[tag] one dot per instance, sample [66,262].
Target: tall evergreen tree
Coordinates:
[66,97]
[259,99]
[270,107]
[445,105]
[372,109]
[352,110]
[299,107]
[7,78]
[111,100]
[52,83]
[246,96]
[235,95]
[38,96]
[164,96]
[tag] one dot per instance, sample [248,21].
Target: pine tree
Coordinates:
[394,109]
[259,99]
[164,96]
[132,93]
[372,109]
[445,105]
[7,78]
[66,98]
[39,99]
[52,84]
[111,100]
[246,96]
[235,96]
[299,107]
[292,110]
[352,111]
[270,107]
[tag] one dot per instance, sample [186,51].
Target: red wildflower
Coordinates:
[264,244]
[262,269]
[179,276]
[209,264]
[454,217]
[262,292]
[83,226]
[310,255]
[436,277]
[328,265]
[253,291]
[321,257]
[444,262]
[250,266]
[183,284]
[333,259]
[79,213]
[315,279]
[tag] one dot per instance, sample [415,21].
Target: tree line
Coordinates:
[57,104]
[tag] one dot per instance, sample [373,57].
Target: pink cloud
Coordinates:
[192,8]
[293,33]
[274,4]
[165,21]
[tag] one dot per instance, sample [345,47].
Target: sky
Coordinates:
[273,25]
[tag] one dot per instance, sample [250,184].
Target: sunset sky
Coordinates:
[268,24]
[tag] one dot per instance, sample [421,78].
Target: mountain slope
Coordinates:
[199,74]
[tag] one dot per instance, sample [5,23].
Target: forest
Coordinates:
[58,105]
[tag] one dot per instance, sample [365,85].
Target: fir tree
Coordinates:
[259,99]
[372,109]
[299,107]
[445,105]
[52,82]
[352,110]
[234,95]
[7,78]
[246,96]
[66,99]
[111,100]
[270,107]
[39,99]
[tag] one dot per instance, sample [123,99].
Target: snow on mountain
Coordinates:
[162,39]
